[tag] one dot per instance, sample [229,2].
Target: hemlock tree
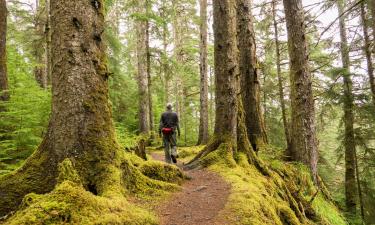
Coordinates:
[349,140]
[280,79]
[203,118]
[142,57]
[40,71]
[304,146]
[81,130]
[367,51]
[4,95]
[249,87]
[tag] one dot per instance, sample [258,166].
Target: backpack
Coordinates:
[167,130]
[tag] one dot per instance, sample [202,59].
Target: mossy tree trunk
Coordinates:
[226,75]
[143,91]
[4,95]
[149,84]
[280,79]
[367,50]
[203,135]
[80,127]
[349,140]
[164,56]
[249,75]
[304,147]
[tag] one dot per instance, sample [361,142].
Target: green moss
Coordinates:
[71,203]
[327,212]
[273,199]
[163,172]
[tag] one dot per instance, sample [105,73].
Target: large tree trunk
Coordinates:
[249,74]
[203,118]
[141,24]
[349,141]
[4,95]
[80,126]
[226,69]
[304,146]
[280,80]
[40,71]
[367,51]
[226,80]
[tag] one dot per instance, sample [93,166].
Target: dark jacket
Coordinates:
[169,119]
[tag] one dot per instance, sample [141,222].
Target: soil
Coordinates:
[200,202]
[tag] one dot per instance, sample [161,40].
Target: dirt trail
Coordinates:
[198,203]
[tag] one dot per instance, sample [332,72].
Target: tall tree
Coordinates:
[371,4]
[349,141]
[367,51]
[40,71]
[203,118]
[4,95]
[80,127]
[142,55]
[150,105]
[279,78]
[304,147]
[249,75]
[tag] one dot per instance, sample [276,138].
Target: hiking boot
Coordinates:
[174,160]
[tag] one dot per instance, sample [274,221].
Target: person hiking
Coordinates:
[169,124]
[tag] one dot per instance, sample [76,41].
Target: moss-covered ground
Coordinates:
[258,199]
[254,199]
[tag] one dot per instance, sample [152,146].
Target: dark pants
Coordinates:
[170,146]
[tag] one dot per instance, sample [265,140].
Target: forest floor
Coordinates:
[200,201]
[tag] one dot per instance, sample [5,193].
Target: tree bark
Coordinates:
[144,125]
[80,127]
[304,147]
[280,80]
[4,94]
[249,75]
[367,51]
[48,42]
[203,115]
[226,69]
[349,140]
[371,4]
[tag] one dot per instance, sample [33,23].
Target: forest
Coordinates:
[273,105]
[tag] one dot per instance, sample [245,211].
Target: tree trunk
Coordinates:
[367,51]
[203,118]
[40,72]
[226,81]
[280,80]
[151,117]
[164,60]
[4,95]
[80,127]
[371,4]
[141,23]
[349,140]
[304,147]
[249,74]
[226,69]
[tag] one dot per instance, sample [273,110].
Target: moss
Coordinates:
[67,172]
[280,198]
[70,203]
[163,172]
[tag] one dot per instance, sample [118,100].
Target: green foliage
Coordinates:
[25,119]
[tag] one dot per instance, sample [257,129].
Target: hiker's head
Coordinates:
[169,106]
